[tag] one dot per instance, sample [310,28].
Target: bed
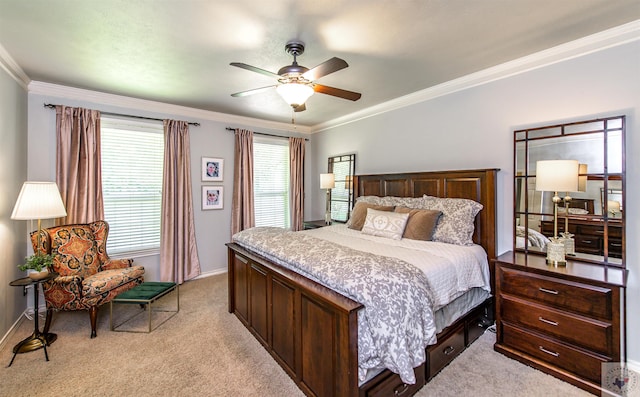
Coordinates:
[312,330]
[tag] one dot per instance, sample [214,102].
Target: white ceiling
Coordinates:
[179,52]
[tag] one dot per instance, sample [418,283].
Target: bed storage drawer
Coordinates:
[392,385]
[438,356]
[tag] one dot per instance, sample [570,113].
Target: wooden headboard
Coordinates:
[477,185]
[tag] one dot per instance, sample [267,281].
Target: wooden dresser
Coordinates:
[589,235]
[564,321]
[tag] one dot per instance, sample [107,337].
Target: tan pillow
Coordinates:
[359,214]
[421,223]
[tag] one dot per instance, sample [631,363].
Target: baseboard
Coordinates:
[634,365]
[12,329]
[212,273]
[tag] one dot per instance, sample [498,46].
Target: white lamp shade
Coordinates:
[327,181]
[613,205]
[38,200]
[557,175]
[295,94]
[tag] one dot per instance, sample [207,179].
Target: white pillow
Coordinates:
[456,225]
[385,224]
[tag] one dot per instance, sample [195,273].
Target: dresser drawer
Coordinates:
[439,356]
[588,244]
[562,356]
[578,330]
[581,298]
[394,386]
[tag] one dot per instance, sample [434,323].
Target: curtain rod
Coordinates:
[264,133]
[50,106]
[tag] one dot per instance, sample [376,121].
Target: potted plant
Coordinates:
[37,265]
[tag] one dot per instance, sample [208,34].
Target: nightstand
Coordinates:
[564,321]
[314,224]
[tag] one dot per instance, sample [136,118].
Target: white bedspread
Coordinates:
[451,269]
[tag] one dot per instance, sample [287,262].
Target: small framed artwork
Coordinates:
[212,169]
[212,197]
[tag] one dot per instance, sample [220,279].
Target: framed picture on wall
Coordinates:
[212,197]
[212,169]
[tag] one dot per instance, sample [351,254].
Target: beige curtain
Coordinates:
[242,213]
[78,164]
[178,250]
[296,188]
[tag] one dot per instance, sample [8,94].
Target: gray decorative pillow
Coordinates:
[370,200]
[409,202]
[385,224]
[456,225]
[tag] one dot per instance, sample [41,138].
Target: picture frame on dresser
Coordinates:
[568,319]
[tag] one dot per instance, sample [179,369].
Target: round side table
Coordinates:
[37,340]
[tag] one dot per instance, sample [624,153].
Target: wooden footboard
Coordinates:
[310,330]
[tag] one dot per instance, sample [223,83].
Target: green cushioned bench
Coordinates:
[144,295]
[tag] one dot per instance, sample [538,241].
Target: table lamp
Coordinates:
[567,237]
[327,181]
[38,200]
[556,176]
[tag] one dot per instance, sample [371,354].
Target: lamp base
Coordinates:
[556,263]
[555,253]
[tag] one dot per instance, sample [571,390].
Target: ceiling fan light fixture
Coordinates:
[295,94]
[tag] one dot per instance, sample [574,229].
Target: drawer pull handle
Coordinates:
[587,241]
[400,390]
[544,320]
[241,259]
[448,350]
[548,291]
[616,245]
[554,354]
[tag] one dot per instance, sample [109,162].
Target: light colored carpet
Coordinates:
[205,351]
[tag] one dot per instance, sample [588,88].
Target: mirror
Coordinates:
[595,213]
[343,168]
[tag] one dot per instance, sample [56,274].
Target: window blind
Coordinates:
[132,163]
[271,182]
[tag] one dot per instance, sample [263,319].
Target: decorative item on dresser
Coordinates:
[563,321]
[312,330]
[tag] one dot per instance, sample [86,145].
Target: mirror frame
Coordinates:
[563,133]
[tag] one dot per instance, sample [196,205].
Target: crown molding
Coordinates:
[597,42]
[79,94]
[13,69]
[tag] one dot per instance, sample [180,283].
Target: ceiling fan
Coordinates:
[296,83]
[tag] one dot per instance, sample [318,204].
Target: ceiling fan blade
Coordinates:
[251,92]
[332,65]
[300,108]
[254,69]
[340,93]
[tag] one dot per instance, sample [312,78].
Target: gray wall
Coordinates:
[13,172]
[474,129]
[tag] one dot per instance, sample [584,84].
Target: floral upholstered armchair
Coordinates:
[87,278]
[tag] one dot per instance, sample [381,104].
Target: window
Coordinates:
[132,162]
[271,182]
[343,169]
